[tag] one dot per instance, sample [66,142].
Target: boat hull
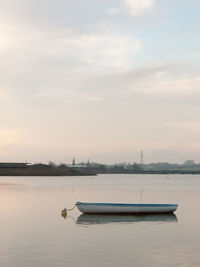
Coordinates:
[117,208]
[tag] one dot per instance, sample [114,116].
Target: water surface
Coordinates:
[33,233]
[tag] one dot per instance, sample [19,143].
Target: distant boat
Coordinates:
[119,208]
[88,219]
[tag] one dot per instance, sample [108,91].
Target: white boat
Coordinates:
[119,208]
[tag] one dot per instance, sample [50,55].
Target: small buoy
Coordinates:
[64,213]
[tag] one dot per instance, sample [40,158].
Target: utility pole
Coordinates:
[88,162]
[141,157]
[142,160]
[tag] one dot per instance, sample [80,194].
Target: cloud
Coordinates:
[112,11]
[137,7]
[68,49]
[9,136]
[190,126]
[161,85]
[90,85]
[37,63]
[97,51]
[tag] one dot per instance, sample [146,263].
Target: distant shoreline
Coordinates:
[39,169]
[44,172]
[153,172]
[39,172]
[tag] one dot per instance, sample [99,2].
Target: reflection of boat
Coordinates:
[104,219]
[116,208]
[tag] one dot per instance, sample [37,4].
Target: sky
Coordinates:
[99,79]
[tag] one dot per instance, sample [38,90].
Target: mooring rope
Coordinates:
[71,208]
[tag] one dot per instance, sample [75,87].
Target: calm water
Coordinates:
[33,233]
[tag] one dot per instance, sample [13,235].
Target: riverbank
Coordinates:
[45,172]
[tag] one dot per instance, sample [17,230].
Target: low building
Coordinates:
[13,165]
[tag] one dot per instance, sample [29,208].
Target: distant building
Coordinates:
[13,165]
[40,166]
[189,162]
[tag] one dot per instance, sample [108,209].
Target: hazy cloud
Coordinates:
[112,11]
[137,7]
[83,78]
[9,137]
[97,51]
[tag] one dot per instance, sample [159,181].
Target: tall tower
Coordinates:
[141,160]
[141,157]
[73,161]
[88,162]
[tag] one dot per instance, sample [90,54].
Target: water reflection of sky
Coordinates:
[33,233]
